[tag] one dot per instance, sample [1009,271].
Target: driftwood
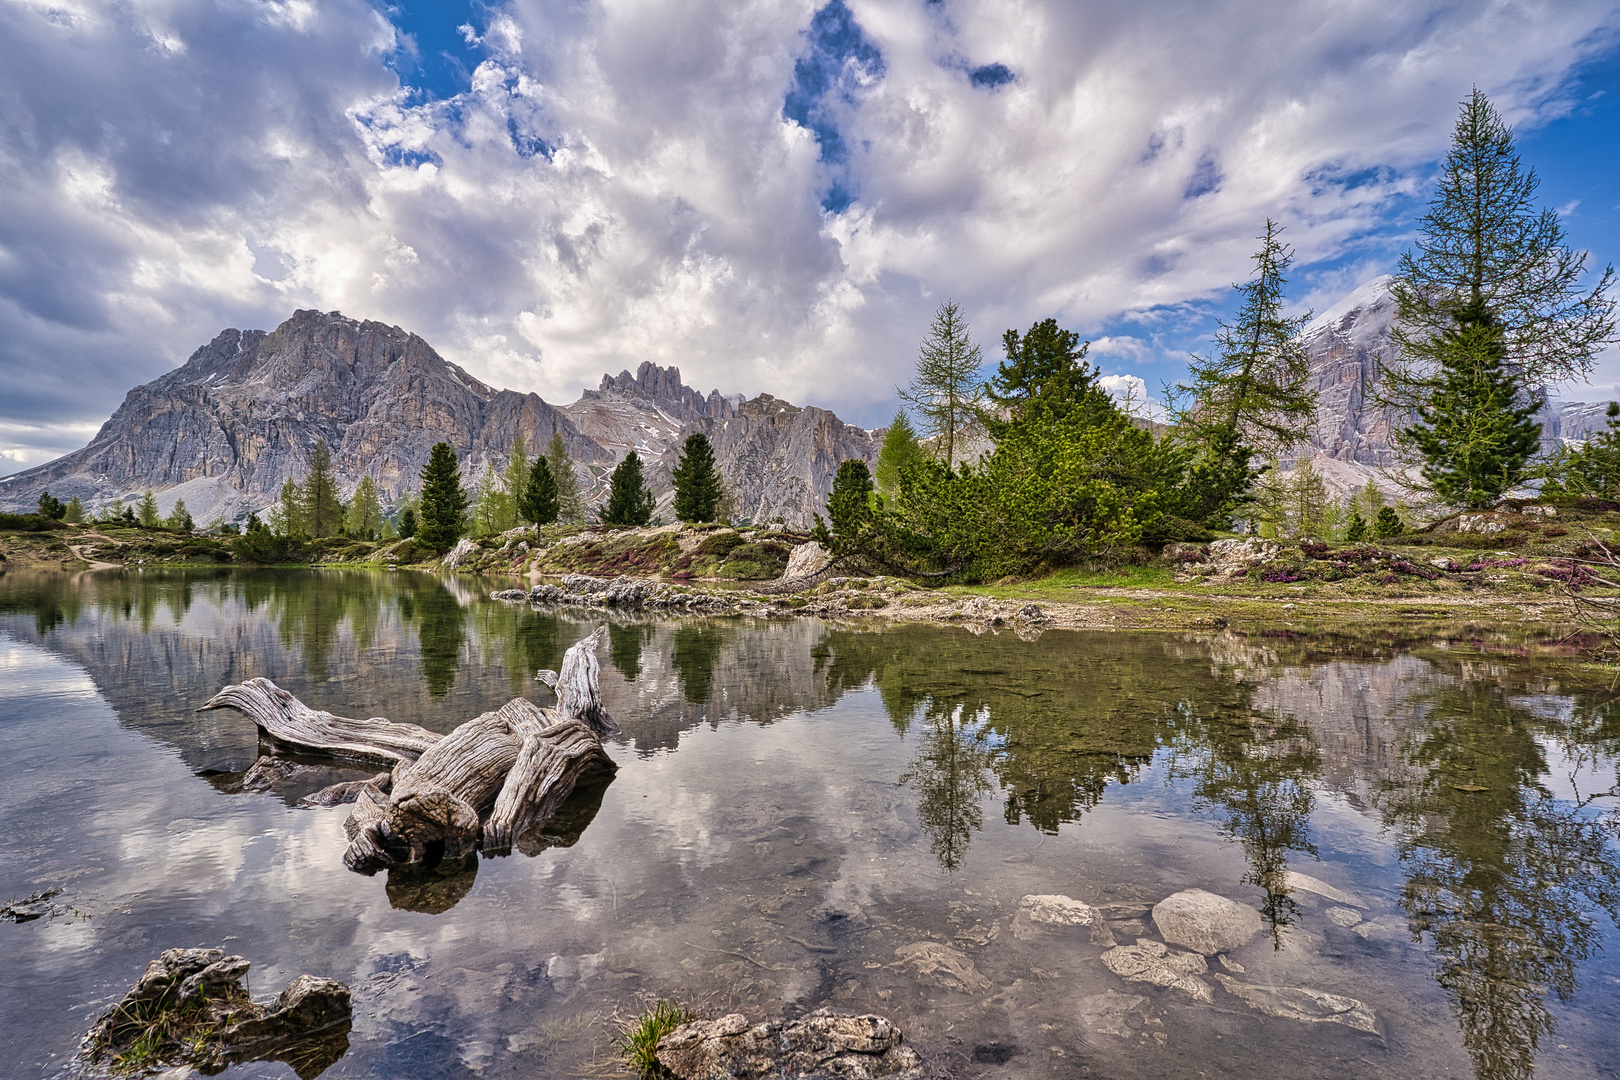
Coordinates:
[447,795]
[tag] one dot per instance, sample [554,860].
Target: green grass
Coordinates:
[1055,585]
[638,1039]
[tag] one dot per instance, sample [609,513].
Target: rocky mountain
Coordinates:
[240,417]
[1346,344]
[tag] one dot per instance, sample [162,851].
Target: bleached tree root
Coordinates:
[476,788]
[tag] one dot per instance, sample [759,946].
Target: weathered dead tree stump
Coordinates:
[447,795]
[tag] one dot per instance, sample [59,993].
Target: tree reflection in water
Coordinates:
[625,645]
[1503,878]
[949,778]
[1258,774]
[441,626]
[695,651]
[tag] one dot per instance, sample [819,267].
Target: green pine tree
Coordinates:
[1389,524]
[849,509]
[900,451]
[444,502]
[570,506]
[147,512]
[1045,368]
[629,501]
[1475,437]
[322,510]
[51,507]
[538,503]
[1251,397]
[365,517]
[74,513]
[1358,528]
[287,516]
[407,523]
[180,518]
[697,481]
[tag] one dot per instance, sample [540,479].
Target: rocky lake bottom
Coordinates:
[1059,854]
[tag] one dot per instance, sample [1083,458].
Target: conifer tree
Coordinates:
[1475,438]
[180,518]
[697,481]
[322,510]
[513,482]
[1251,396]
[946,391]
[1389,524]
[365,517]
[1591,469]
[444,502]
[74,513]
[1045,368]
[147,512]
[486,505]
[1358,528]
[538,503]
[629,501]
[407,523]
[1488,312]
[849,509]
[900,450]
[51,507]
[570,507]
[287,517]
[1484,249]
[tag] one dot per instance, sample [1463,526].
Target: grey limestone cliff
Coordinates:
[241,416]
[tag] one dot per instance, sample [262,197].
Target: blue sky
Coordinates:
[773,195]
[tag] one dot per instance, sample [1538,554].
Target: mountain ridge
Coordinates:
[225,429]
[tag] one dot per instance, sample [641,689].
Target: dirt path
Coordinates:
[82,551]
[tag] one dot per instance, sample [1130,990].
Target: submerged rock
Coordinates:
[1114,1013]
[1152,962]
[943,965]
[1343,916]
[1205,922]
[190,1008]
[32,907]
[1294,881]
[1303,1004]
[1052,910]
[824,1044]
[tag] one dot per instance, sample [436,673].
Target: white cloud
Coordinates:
[264,158]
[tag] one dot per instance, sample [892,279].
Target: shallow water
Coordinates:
[799,807]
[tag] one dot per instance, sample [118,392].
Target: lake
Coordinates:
[813,815]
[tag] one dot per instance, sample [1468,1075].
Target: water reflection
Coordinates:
[1504,879]
[1497,871]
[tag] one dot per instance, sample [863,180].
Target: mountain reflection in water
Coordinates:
[1489,782]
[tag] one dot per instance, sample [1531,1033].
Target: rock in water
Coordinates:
[1151,962]
[824,1044]
[1114,1013]
[1303,1004]
[943,965]
[190,1007]
[1205,922]
[1058,910]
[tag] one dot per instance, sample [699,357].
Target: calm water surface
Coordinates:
[797,804]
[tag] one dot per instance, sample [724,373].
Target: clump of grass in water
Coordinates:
[638,1039]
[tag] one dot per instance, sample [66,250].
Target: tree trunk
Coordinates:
[447,795]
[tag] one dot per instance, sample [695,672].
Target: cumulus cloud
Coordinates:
[772,194]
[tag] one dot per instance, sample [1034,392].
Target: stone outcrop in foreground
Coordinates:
[190,1007]
[824,1044]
